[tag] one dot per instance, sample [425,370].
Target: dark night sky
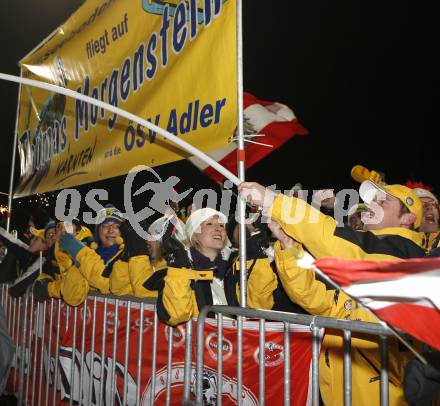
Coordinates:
[361,77]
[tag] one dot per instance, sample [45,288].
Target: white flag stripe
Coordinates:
[260,116]
[281,110]
[415,286]
[380,304]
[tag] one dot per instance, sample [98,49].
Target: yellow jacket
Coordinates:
[117,276]
[66,282]
[302,288]
[320,236]
[184,291]
[127,278]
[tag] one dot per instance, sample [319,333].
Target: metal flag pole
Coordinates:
[241,204]
[14,154]
[241,153]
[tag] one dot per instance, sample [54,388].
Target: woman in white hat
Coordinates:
[205,272]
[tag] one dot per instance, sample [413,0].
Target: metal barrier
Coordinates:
[69,353]
[57,350]
[315,323]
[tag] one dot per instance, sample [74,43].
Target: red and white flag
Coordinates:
[404,293]
[275,124]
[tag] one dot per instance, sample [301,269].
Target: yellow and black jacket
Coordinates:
[322,238]
[430,241]
[183,291]
[145,281]
[113,276]
[302,288]
[65,280]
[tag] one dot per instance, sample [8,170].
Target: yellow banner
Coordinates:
[170,62]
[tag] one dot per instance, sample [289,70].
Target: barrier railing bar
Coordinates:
[29,357]
[92,354]
[104,333]
[199,352]
[154,357]
[127,351]
[347,368]
[73,364]
[22,350]
[68,310]
[15,337]
[262,361]
[219,359]
[239,359]
[40,381]
[384,387]
[29,363]
[286,364]
[139,360]
[169,365]
[188,361]
[34,369]
[83,346]
[57,353]
[46,399]
[133,299]
[6,307]
[315,364]
[303,319]
[115,343]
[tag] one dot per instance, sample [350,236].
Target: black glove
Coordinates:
[422,382]
[40,290]
[134,244]
[257,242]
[176,254]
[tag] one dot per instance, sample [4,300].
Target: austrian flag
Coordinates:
[273,123]
[404,293]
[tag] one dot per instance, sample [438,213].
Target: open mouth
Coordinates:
[429,218]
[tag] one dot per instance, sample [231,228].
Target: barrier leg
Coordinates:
[49,350]
[115,344]
[219,359]
[104,333]
[169,365]
[139,360]
[262,361]
[92,354]
[347,368]
[188,361]
[286,364]
[384,388]
[315,366]
[127,351]
[154,357]
[57,353]
[73,364]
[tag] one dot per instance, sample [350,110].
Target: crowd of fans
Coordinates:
[192,260]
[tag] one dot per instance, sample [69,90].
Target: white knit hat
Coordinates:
[198,217]
[425,193]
